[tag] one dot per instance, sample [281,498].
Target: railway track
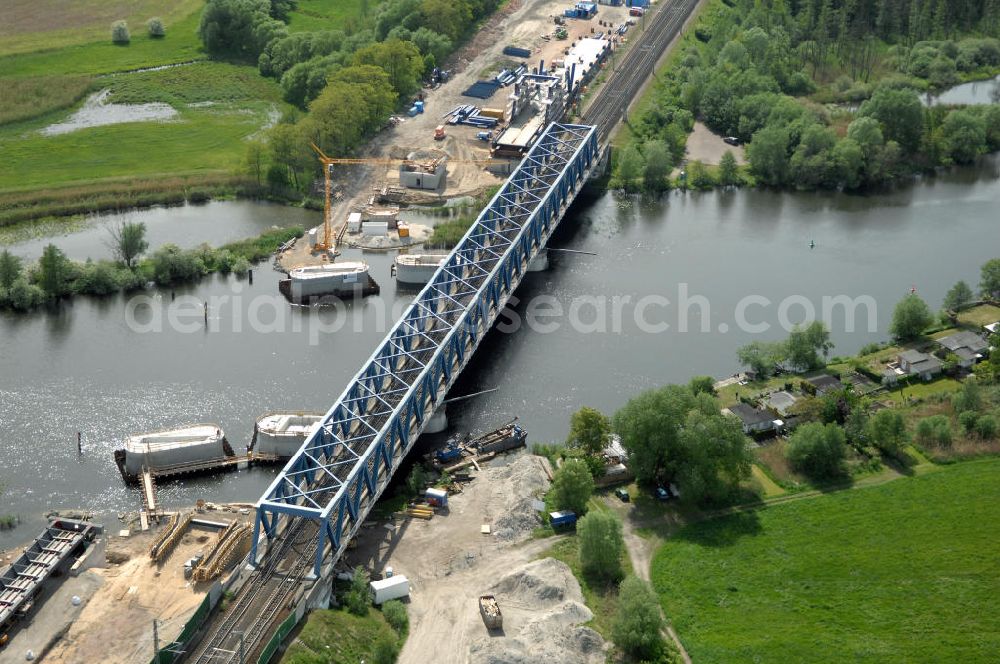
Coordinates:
[636,66]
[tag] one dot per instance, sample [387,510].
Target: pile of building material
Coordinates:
[233,543]
[545,612]
[473,116]
[516,52]
[169,536]
[481,89]
[507,77]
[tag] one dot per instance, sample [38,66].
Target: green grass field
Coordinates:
[327,14]
[338,636]
[901,572]
[35,25]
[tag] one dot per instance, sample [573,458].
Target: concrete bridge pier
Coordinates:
[438,421]
[540,262]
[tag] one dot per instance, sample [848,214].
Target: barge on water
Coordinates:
[346,279]
[279,435]
[169,451]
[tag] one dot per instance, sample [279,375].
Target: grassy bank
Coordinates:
[900,572]
[338,636]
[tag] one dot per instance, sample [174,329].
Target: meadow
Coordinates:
[904,571]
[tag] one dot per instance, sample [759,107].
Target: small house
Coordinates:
[754,420]
[915,363]
[967,346]
[824,383]
[614,452]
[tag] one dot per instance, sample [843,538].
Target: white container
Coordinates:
[393,587]
[312,237]
[354,222]
[375,228]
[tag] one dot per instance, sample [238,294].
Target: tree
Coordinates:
[887,431]
[128,241]
[969,398]
[702,384]
[10,269]
[638,624]
[238,28]
[867,133]
[448,17]
[54,272]
[989,281]
[631,166]
[357,599]
[588,429]
[900,113]
[806,343]
[958,297]
[401,60]
[768,155]
[715,457]
[601,545]
[648,425]
[658,165]
[986,427]
[729,171]
[818,450]
[254,159]
[910,318]
[934,430]
[572,486]
[763,357]
[964,136]
[155,28]
[119,33]
[698,176]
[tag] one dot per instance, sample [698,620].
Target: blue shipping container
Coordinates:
[564,518]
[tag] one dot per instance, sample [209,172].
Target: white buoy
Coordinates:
[75,600]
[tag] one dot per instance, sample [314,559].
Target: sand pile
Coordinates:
[543,609]
[516,484]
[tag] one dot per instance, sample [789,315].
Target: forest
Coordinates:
[825,93]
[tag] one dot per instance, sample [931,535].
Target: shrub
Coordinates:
[385,651]
[818,450]
[572,486]
[22,296]
[968,420]
[119,33]
[395,614]
[357,599]
[155,27]
[601,545]
[968,399]
[638,623]
[99,278]
[935,430]
[171,265]
[240,267]
[986,427]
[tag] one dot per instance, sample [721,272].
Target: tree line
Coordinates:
[776,76]
[345,81]
[24,287]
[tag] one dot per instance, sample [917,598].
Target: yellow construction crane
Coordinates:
[326,242]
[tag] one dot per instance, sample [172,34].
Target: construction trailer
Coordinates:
[393,587]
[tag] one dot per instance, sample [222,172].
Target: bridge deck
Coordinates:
[340,471]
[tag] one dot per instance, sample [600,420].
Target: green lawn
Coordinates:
[102,57]
[338,636]
[34,25]
[312,15]
[902,572]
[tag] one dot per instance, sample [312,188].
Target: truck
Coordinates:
[562,519]
[490,611]
[392,587]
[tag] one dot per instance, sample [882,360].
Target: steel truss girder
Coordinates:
[343,466]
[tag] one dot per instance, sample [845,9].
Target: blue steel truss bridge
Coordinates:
[323,495]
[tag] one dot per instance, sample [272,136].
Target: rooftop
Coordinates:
[750,415]
[964,339]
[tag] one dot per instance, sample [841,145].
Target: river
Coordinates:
[94,366]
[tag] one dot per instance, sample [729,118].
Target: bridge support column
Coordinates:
[438,421]
[540,262]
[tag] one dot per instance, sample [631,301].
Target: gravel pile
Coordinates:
[517,483]
[543,609]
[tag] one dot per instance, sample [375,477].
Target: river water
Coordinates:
[720,265]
